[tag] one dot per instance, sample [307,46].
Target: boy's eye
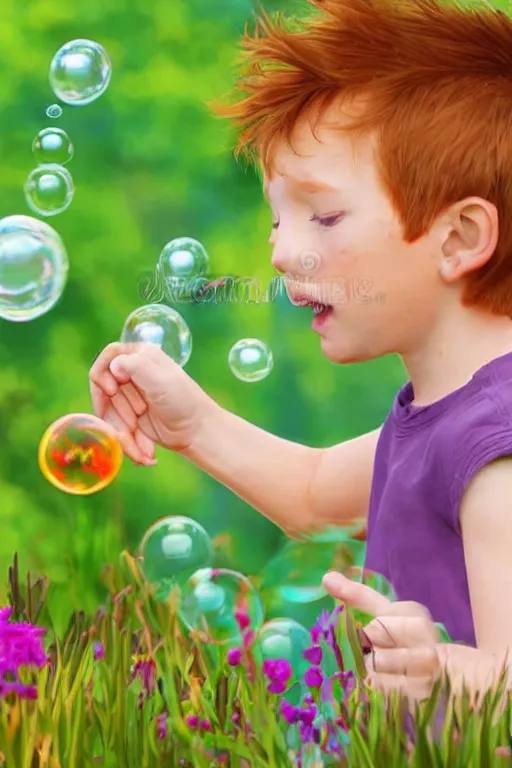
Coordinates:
[275,224]
[328,221]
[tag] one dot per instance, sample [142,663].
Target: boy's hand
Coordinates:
[148,398]
[402,635]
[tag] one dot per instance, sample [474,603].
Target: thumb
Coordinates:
[140,368]
[356,595]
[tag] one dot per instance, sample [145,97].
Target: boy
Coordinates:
[383,131]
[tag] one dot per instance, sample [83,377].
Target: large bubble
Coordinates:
[173,549]
[80,72]
[49,190]
[161,325]
[33,268]
[210,601]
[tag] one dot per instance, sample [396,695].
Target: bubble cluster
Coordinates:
[173,549]
[209,603]
[80,454]
[54,111]
[161,325]
[49,190]
[33,268]
[80,72]
[183,259]
[250,360]
[52,146]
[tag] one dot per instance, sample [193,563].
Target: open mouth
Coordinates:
[317,307]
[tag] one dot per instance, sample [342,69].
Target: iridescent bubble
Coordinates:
[54,111]
[80,72]
[49,190]
[250,360]
[285,638]
[372,579]
[182,259]
[80,454]
[210,600]
[161,325]
[173,549]
[33,268]
[52,146]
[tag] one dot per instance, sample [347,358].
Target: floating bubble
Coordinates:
[161,325]
[80,72]
[372,579]
[54,111]
[80,454]
[33,268]
[49,190]
[294,574]
[52,146]
[172,550]
[250,360]
[210,600]
[182,259]
[285,638]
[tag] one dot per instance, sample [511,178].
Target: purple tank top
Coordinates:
[425,459]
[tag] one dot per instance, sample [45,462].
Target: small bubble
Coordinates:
[49,190]
[52,145]
[250,360]
[54,111]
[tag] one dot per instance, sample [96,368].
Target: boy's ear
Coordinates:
[471,238]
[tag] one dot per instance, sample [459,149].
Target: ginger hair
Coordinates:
[436,79]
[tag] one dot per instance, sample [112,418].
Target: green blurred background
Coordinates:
[151,164]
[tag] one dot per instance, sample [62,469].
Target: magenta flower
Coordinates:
[279,672]
[161,725]
[289,712]
[20,646]
[324,629]
[205,725]
[99,651]
[234,657]
[192,721]
[242,619]
[314,677]
[313,654]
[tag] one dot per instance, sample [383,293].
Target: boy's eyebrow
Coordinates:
[305,185]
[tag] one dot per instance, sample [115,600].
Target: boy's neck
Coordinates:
[455,352]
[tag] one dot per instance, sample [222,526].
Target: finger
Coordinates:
[125,437]
[134,398]
[147,447]
[413,662]
[100,401]
[100,373]
[401,632]
[356,595]
[125,410]
[415,688]
[144,369]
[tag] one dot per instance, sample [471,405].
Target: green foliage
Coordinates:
[92,711]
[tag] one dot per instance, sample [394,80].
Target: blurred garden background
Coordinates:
[151,164]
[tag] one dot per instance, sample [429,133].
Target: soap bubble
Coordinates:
[54,111]
[372,579]
[285,638]
[80,454]
[182,259]
[250,360]
[52,146]
[173,549]
[161,325]
[33,268]
[210,600]
[49,190]
[80,72]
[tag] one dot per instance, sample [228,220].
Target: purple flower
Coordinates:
[161,725]
[99,651]
[277,686]
[206,725]
[235,718]
[313,677]
[289,712]
[234,657]
[145,669]
[313,654]
[277,669]
[308,713]
[20,646]
[243,620]
[192,721]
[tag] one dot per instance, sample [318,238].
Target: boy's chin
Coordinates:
[343,353]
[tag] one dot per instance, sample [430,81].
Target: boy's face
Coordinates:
[343,247]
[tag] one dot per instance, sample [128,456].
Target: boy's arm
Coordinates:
[297,487]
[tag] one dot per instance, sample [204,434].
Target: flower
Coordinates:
[20,646]
[99,651]
[313,654]
[242,619]
[192,721]
[234,656]
[314,677]
[324,629]
[145,670]
[279,671]
[161,725]
[205,725]
[289,712]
